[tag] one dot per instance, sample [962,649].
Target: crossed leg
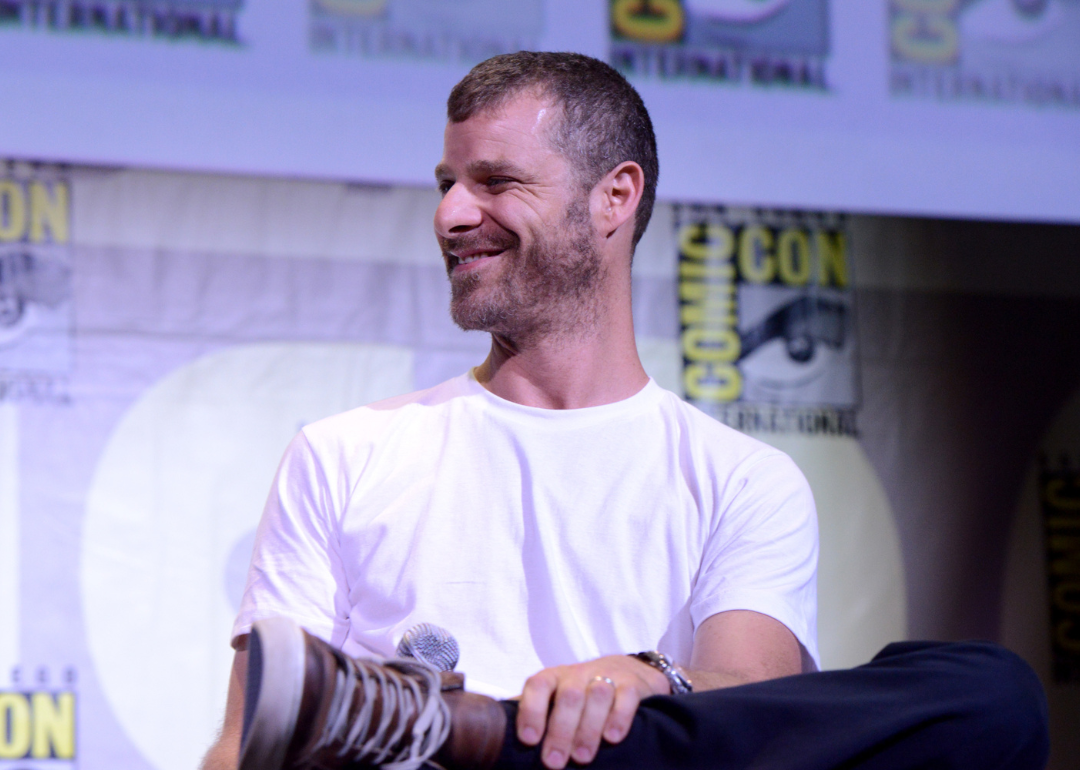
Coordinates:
[971,705]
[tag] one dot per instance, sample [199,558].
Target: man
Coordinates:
[554,508]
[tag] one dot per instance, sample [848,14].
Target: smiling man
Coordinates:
[548,179]
[635,578]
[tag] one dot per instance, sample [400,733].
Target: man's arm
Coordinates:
[740,647]
[225,753]
[597,699]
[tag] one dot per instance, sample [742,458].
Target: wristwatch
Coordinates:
[666,666]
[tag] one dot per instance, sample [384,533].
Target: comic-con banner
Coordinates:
[206,20]
[465,30]
[1000,50]
[740,41]
[35,282]
[1059,488]
[766,318]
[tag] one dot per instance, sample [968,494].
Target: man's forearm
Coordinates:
[224,754]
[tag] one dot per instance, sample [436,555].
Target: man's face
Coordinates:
[514,226]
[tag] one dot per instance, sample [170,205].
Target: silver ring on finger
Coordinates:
[606,679]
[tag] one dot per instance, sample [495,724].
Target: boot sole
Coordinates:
[275,684]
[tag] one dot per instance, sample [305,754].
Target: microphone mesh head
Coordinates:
[430,644]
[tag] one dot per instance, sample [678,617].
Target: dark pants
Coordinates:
[970,705]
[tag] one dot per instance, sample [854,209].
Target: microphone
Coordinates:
[430,644]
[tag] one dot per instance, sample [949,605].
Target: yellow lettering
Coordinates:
[695,291]
[14,725]
[793,257]
[707,242]
[831,259]
[54,725]
[49,211]
[756,262]
[714,313]
[711,382]
[654,21]
[12,211]
[711,344]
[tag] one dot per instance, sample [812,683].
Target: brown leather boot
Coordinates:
[477,731]
[308,706]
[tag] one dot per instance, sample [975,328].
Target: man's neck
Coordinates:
[566,372]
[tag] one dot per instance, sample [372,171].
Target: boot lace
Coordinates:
[408,693]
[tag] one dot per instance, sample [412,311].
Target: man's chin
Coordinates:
[472,306]
[470,318]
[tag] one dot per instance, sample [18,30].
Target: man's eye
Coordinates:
[444,187]
[496,181]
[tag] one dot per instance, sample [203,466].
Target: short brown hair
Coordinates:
[604,121]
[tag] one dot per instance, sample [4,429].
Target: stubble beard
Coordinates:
[546,290]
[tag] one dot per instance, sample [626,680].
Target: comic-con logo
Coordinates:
[756,41]
[765,311]
[1005,50]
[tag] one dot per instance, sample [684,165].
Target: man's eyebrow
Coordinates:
[495,167]
[481,168]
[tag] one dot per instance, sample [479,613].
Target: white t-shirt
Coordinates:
[537,537]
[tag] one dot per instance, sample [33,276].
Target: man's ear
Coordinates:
[616,197]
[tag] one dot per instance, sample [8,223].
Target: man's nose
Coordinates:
[457,213]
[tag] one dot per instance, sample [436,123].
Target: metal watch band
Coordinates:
[662,663]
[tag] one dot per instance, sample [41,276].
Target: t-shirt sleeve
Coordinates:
[762,553]
[296,568]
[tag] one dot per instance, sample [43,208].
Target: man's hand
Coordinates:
[587,702]
[730,648]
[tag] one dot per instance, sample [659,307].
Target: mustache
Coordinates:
[498,241]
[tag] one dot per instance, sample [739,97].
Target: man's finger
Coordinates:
[621,716]
[533,707]
[599,698]
[562,723]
